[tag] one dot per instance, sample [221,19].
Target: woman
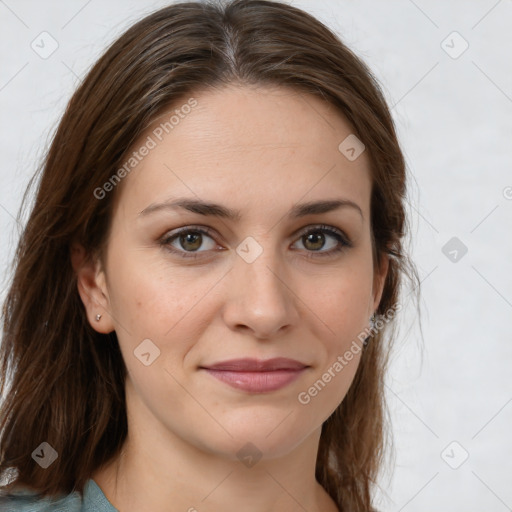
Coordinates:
[197,315]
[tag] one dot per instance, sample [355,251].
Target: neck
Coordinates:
[165,471]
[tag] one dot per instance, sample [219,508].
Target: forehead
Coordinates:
[247,146]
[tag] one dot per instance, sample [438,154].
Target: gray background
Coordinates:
[450,391]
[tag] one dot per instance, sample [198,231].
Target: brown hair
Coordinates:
[67,380]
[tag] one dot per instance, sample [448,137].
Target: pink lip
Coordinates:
[257,376]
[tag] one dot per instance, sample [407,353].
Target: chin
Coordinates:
[269,438]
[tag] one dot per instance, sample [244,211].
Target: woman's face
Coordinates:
[269,283]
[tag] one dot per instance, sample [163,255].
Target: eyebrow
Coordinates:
[217,210]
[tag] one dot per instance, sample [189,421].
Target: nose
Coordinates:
[260,300]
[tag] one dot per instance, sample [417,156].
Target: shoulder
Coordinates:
[25,500]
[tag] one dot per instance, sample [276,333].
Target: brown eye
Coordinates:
[314,240]
[187,241]
[191,241]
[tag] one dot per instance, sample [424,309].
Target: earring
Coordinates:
[98,317]
[372,322]
[372,327]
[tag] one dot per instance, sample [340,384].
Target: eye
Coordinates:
[190,238]
[313,238]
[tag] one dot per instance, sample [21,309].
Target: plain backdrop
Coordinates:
[445,68]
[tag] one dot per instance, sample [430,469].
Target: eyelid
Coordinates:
[324,227]
[210,231]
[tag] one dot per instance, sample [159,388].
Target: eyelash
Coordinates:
[344,242]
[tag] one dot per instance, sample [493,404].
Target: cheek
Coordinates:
[152,300]
[343,305]
[148,295]
[327,388]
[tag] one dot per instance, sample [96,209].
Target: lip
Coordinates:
[257,376]
[257,365]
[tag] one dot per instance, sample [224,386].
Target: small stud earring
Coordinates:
[98,317]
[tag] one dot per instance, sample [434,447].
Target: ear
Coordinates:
[92,288]
[379,280]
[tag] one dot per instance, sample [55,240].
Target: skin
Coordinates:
[259,150]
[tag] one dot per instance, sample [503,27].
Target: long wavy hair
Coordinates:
[62,382]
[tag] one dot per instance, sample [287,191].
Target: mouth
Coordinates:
[257,376]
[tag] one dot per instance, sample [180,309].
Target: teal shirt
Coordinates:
[27,501]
